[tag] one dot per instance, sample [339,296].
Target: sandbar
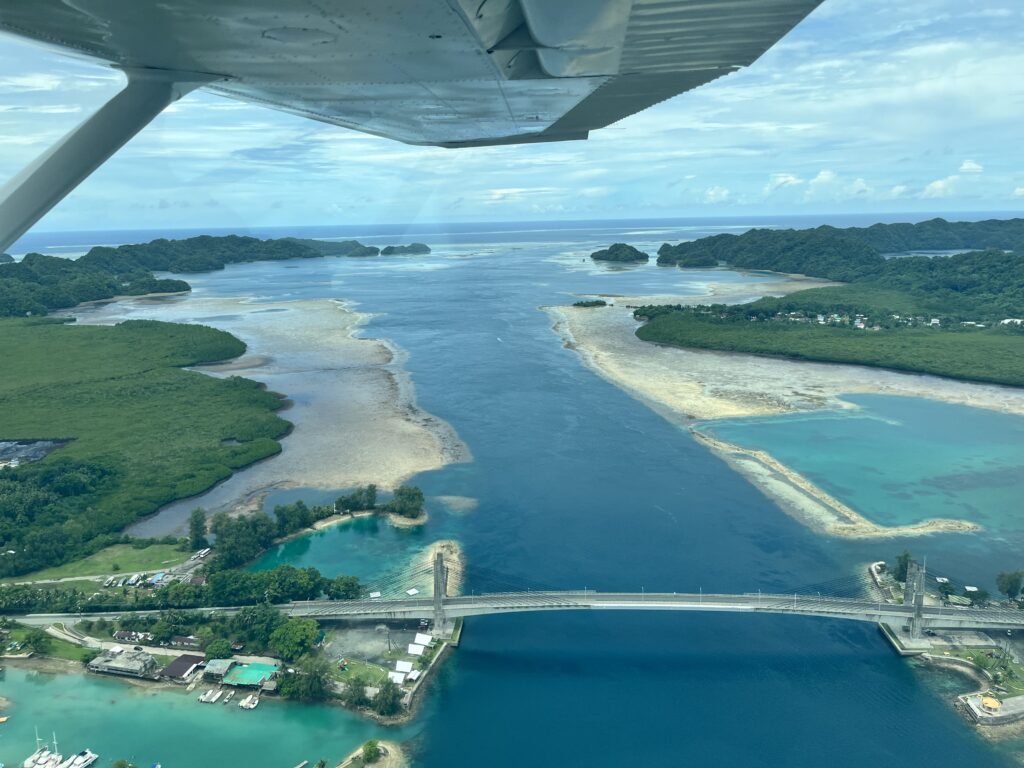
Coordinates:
[687,384]
[684,385]
[809,504]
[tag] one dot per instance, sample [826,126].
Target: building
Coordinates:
[182,667]
[117,661]
[186,641]
[217,668]
[253,675]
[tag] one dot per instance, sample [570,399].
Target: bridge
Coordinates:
[913,613]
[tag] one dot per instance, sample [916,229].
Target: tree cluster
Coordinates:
[619,252]
[361,499]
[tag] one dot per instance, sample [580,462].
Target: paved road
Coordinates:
[513,602]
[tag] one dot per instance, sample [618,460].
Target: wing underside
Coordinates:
[441,72]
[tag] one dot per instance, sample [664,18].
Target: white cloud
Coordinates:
[940,188]
[969,166]
[779,181]
[716,194]
[898,191]
[1018,192]
[858,187]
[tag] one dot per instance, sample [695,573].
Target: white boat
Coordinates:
[83,759]
[249,702]
[205,697]
[43,757]
[216,696]
[228,698]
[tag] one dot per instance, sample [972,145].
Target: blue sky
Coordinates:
[867,106]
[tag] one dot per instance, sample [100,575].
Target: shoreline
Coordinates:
[686,384]
[353,404]
[808,504]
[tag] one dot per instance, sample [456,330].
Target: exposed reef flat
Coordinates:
[352,402]
[685,384]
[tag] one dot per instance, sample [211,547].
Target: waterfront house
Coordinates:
[186,641]
[182,667]
[118,661]
[216,669]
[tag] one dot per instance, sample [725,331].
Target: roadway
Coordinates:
[397,609]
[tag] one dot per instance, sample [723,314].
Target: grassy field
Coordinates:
[142,431]
[370,674]
[119,558]
[1008,673]
[988,356]
[58,649]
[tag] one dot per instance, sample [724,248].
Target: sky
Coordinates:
[868,106]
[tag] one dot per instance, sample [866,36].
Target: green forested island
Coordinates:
[841,254]
[619,252]
[39,284]
[956,315]
[405,250]
[140,430]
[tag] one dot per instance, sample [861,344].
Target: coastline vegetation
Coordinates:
[591,303]
[141,430]
[39,284]
[956,316]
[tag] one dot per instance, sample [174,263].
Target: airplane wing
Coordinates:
[453,73]
[440,72]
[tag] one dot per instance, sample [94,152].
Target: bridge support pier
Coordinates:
[440,591]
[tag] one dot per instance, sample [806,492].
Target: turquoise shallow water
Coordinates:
[900,460]
[144,725]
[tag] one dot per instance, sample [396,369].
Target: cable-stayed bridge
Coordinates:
[394,600]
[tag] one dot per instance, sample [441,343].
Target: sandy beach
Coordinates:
[686,385]
[352,403]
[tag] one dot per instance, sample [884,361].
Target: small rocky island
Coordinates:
[619,252]
[405,250]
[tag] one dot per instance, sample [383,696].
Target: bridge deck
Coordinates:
[516,602]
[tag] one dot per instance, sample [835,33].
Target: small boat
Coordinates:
[229,696]
[206,696]
[249,702]
[216,696]
[83,759]
[3,720]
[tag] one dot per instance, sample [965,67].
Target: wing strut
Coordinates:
[46,181]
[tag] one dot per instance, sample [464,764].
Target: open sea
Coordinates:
[580,485]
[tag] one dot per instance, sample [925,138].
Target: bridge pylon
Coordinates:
[440,591]
[913,595]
